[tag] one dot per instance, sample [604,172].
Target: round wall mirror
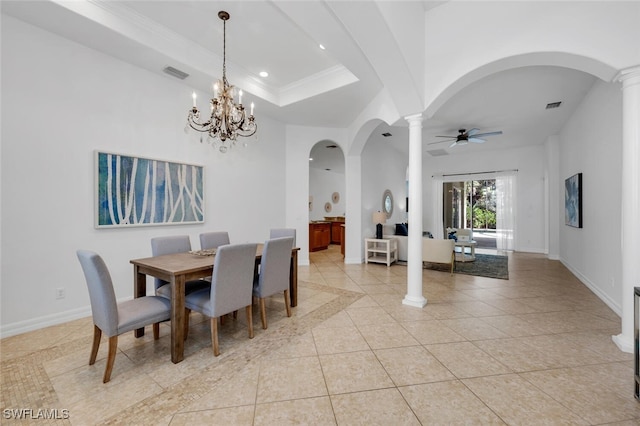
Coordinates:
[387,203]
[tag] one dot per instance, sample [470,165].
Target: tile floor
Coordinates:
[534,349]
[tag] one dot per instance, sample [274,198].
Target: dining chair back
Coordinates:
[211,240]
[284,232]
[114,319]
[170,245]
[275,270]
[231,287]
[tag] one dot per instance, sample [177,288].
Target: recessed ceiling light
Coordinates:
[264,74]
[310,159]
[322,47]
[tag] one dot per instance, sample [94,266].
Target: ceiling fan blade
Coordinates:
[479,135]
[473,131]
[476,140]
[450,137]
[453,144]
[433,143]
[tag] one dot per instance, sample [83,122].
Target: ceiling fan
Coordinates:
[465,137]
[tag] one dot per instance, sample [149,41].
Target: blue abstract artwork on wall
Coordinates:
[573,201]
[134,191]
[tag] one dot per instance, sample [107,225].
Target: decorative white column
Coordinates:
[414,253]
[630,222]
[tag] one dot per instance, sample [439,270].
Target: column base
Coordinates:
[416,302]
[624,343]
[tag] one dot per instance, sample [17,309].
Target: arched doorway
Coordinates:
[327,196]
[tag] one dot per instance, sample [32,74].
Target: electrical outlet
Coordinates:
[60,293]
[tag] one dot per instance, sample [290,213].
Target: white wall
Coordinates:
[591,144]
[530,163]
[322,184]
[60,102]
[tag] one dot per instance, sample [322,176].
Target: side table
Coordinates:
[383,250]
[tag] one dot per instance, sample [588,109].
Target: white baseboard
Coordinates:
[7,330]
[584,280]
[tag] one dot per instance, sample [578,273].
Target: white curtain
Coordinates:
[437,227]
[506,210]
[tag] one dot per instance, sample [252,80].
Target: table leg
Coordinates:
[139,290]
[177,319]
[293,279]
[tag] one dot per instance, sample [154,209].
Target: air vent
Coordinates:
[437,152]
[174,72]
[386,134]
[553,105]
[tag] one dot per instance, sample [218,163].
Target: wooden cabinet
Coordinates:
[335,232]
[319,235]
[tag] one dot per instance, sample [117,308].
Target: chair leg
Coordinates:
[214,336]
[263,313]
[97,334]
[286,302]
[250,321]
[156,330]
[113,347]
[187,314]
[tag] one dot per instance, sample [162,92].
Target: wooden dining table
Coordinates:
[179,268]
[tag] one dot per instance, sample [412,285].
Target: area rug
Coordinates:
[485,265]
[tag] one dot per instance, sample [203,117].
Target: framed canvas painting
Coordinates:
[573,201]
[135,191]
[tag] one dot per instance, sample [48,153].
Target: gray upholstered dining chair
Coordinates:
[211,240]
[274,273]
[283,232]
[169,245]
[231,287]
[112,318]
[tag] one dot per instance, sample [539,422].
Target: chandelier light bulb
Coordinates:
[240,97]
[194,99]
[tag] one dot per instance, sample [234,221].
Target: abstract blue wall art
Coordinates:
[134,191]
[573,201]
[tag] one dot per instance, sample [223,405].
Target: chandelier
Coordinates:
[228,120]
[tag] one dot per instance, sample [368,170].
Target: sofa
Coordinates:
[433,250]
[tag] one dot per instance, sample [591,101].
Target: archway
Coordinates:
[327,196]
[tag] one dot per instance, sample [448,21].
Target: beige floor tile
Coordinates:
[412,365]
[282,379]
[225,416]
[531,406]
[391,335]
[353,372]
[448,403]
[102,401]
[235,390]
[464,359]
[574,388]
[432,332]
[376,407]
[338,340]
[308,411]
[474,328]
[369,315]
